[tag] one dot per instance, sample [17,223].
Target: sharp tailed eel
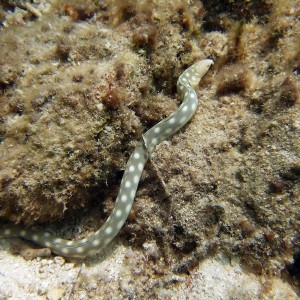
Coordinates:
[131,177]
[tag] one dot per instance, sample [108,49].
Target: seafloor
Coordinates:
[217,211]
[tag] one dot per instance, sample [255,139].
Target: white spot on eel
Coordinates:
[131,177]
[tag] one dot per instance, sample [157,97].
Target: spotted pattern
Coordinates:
[132,174]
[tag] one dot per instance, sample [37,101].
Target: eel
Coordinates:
[186,83]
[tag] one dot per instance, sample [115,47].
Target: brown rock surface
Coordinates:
[81,84]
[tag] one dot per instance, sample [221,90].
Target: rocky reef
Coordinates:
[81,80]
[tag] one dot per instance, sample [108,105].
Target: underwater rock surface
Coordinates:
[80,83]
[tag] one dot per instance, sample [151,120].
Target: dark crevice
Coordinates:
[294,268]
[218,12]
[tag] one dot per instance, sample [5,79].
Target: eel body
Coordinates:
[131,177]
